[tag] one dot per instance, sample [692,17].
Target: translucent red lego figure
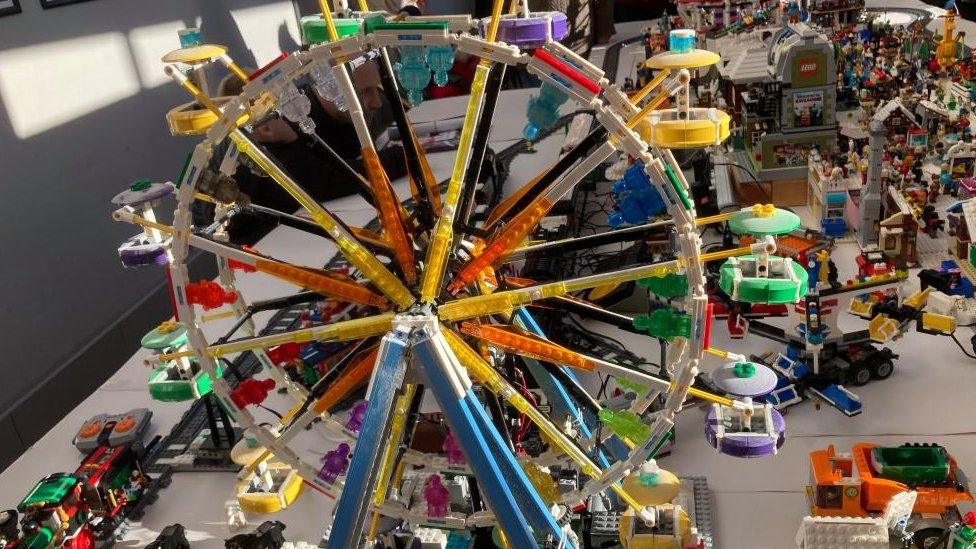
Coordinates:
[284,353]
[335,463]
[437,496]
[208,294]
[453,450]
[251,391]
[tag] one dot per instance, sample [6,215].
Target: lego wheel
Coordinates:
[859,374]
[882,369]
[929,538]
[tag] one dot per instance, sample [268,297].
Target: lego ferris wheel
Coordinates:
[426,305]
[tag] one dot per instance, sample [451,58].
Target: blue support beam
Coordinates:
[352,508]
[456,402]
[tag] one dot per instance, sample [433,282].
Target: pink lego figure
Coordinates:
[455,456]
[437,496]
[356,415]
[335,463]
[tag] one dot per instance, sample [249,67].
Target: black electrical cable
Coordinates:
[363,187]
[282,302]
[751,175]
[594,334]
[557,170]
[237,326]
[961,348]
[278,165]
[578,393]
[266,409]
[498,418]
[604,381]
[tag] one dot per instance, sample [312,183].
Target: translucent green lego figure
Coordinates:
[543,110]
[664,324]
[626,424]
[635,387]
[310,374]
[668,286]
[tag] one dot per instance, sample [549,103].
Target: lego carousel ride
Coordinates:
[426,306]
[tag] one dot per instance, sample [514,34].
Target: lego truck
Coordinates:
[861,484]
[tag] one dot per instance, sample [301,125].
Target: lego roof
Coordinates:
[933,107]
[746,66]
[890,108]
[50,490]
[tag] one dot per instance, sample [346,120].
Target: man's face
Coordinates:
[274,130]
[366,81]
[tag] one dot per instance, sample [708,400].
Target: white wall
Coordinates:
[82,99]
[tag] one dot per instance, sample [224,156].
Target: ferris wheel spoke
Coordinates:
[323,281]
[344,330]
[354,252]
[427,194]
[489,304]
[439,248]
[487,375]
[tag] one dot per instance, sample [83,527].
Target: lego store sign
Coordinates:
[809,68]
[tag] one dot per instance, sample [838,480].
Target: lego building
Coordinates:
[717,14]
[787,113]
[833,13]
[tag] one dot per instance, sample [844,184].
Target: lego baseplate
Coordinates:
[696,499]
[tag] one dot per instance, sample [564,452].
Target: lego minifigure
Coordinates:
[452,449]
[335,463]
[934,187]
[438,497]
[356,415]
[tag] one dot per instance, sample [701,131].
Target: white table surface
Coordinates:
[756,503]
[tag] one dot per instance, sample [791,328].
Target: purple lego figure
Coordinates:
[437,496]
[356,415]
[335,463]
[453,450]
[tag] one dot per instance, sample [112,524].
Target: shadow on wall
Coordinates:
[82,100]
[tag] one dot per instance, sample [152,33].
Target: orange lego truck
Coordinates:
[860,484]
